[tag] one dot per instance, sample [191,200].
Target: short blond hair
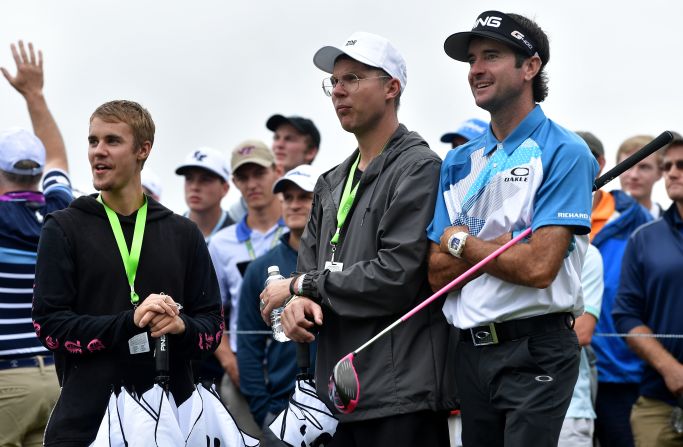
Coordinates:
[131,113]
[634,143]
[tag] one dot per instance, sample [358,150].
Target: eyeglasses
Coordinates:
[349,81]
[666,167]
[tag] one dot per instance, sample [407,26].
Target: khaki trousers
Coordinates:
[27,396]
[651,424]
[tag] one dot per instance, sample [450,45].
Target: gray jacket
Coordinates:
[383,247]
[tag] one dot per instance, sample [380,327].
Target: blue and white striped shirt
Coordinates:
[21,219]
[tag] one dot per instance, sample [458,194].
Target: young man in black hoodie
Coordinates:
[112,269]
[365,265]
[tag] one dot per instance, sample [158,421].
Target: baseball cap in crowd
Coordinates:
[302,125]
[303,176]
[594,144]
[251,151]
[206,158]
[152,182]
[370,49]
[493,25]
[472,128]
[21,145]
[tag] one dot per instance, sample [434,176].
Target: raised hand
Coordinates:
[29,77]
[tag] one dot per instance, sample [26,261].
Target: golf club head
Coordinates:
[344,387]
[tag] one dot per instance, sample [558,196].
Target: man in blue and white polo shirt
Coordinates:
[28,382]
[518,356]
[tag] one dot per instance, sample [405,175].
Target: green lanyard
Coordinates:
[130,260]
[273,243]
[347,199]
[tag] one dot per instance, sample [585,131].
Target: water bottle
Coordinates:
[677,416]
[275,324]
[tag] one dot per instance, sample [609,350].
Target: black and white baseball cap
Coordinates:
[206,158]
[493,25]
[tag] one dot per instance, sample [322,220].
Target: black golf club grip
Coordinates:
[653,146]
[303,356]
[161,356]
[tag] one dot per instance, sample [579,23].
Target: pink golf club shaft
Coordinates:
[472,270]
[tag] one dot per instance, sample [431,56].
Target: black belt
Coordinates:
[25,362]
[494,333]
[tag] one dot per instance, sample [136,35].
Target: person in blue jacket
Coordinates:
[268,368]
[649,301]
[614,217]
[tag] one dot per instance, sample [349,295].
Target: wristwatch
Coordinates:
[456,243]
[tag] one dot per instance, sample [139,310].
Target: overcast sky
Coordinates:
[212,72]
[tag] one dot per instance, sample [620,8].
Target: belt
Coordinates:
[26,362]
[494,333]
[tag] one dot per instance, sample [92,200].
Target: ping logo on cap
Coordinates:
[350,42]
[519,36]
[492,21]
[199,156]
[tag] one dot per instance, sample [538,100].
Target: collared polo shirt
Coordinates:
[21,220]
[540,175]
[581,405]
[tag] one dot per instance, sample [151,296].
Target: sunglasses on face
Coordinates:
[666,166]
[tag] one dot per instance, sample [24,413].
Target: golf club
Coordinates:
[344,385]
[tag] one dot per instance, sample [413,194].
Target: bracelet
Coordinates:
[291,286]
[300,285]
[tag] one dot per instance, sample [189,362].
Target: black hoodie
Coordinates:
[82,310]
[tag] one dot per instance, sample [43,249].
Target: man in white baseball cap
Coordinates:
[28,381]
[206,175]
[362,258]
[206,183]
[269,368]
[21,152]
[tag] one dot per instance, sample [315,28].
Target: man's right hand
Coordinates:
[29,78]
[299,316]
[230,367]
[673,378]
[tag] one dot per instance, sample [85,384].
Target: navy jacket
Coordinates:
[616,362]
[268,368]
[651,291]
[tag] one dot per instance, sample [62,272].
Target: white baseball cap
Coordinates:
[152,182]
[17,145]
[206,158]
[370,49]
[303,176]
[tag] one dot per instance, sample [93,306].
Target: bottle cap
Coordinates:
[273,269]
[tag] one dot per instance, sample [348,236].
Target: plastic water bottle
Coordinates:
[275,323]
[677,416]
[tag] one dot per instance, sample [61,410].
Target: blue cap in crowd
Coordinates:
[470,129]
